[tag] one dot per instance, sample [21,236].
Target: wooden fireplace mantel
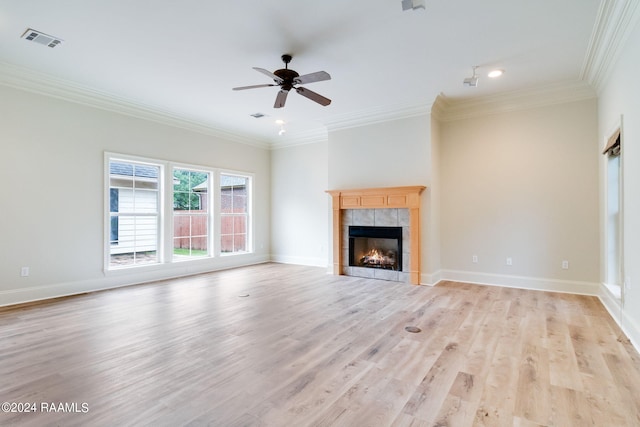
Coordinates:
[379,198]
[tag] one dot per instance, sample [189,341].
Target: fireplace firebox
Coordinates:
[375,247]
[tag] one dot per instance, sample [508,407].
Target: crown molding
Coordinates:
[42,84]
[443,108]
[377,115]
[614,23]
[448,109]
[439,107]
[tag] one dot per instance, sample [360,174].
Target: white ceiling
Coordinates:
[181,58]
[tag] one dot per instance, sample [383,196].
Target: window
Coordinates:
[113,202]
[191,217]
[134,206]
[613,225]
[158,212]
[234,213]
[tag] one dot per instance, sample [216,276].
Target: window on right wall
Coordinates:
[235,192]
[613,226]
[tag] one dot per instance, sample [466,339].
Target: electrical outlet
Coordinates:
[565,265]
[509,261]
[474,259]
[24,271]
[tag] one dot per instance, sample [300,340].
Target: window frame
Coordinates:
[210,215]
[165,235]
[108,158]
[249,213]
[614,269]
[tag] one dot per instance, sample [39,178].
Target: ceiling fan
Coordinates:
[288,79]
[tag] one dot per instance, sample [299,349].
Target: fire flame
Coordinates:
[374,255]
[377,258]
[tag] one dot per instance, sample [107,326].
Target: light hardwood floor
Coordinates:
[305,348]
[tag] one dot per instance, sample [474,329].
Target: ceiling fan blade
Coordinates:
[281,98]
[313,96]
[318,76]
[269,74]
[252,87]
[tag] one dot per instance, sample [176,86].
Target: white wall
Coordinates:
[52,185]
[522,185]
[434,260]
[300,206]
[388,154]
[620,98]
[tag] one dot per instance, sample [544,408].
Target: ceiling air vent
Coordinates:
[42,38]
[257,115]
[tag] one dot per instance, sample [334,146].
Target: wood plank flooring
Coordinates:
[310,349]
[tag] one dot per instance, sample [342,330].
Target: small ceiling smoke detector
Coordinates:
[473,80]
[42,38]
[257,115]
[413,4]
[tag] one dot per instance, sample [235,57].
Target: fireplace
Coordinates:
[378,207]
[375,247]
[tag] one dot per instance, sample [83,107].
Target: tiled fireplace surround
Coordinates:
[377,218]
[383,207]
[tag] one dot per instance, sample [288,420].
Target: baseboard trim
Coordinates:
[430,279]
[615,308]
[521,282]
[308,261]
[121,278]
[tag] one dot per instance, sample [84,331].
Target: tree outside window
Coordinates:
[190,213]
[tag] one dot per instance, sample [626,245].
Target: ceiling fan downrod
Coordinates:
[286,58]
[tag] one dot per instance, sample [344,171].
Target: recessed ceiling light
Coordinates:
[495,73]
[279,122]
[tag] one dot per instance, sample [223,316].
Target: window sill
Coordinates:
[235,254]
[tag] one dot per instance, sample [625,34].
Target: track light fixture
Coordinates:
[473,80]
[413,4]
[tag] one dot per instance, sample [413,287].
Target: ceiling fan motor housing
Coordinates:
[287,76]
